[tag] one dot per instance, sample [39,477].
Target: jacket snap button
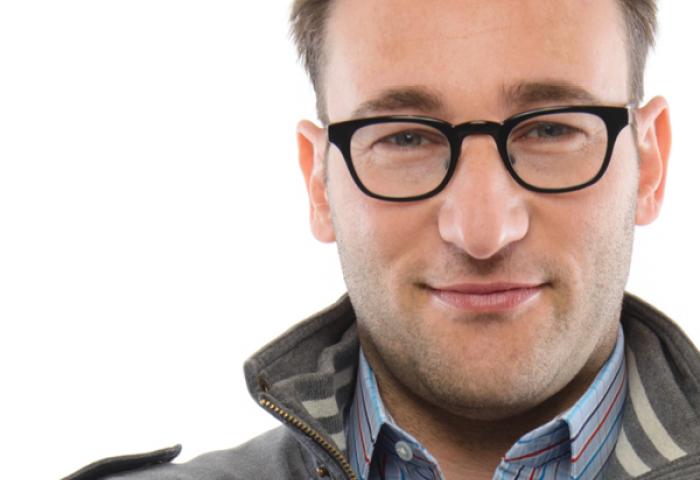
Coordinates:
[322,471]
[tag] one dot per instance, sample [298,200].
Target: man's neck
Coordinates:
[468,447]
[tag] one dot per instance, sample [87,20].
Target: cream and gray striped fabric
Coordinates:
[660,423]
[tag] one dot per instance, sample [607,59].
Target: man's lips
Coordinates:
[486,297]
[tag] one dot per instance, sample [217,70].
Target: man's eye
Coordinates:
[406,139]
[548,131]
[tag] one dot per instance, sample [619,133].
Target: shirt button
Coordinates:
[404,451]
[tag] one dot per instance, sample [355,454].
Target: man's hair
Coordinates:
[308,20]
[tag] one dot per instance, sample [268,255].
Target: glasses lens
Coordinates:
[400,159]
[558,150]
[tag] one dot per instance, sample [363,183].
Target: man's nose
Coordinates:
[483,209]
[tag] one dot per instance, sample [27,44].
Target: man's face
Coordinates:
[426,278]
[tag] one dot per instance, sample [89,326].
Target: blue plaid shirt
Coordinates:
[574,445]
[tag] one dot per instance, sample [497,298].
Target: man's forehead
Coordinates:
[482,16]
[521,51]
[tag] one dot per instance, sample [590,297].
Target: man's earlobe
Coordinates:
[311,143]
[654,144]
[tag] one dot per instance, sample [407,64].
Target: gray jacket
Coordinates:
[306,377]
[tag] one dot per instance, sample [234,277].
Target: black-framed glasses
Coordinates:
[548,150]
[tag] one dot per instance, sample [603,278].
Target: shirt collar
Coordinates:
[365,418]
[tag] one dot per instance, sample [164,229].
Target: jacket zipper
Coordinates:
[312,434]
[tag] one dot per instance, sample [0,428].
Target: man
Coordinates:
[481,166]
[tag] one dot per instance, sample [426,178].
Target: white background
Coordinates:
[153,223]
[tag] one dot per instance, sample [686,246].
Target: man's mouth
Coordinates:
[487,297]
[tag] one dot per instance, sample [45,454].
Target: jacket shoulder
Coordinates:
[274,455]
[125,463]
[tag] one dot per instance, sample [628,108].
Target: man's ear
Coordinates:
[311,141]
[654,144]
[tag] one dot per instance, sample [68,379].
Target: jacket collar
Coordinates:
[310,370]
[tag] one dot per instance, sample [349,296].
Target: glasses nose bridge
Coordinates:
[477,127]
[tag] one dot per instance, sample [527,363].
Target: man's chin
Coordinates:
[490,400]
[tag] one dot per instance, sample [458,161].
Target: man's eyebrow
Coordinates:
[521,95]
[529,93]
[403,98]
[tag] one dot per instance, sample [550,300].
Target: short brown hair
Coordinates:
[308,21]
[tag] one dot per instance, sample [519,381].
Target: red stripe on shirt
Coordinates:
[600,425]
[534,454]
[362,437]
